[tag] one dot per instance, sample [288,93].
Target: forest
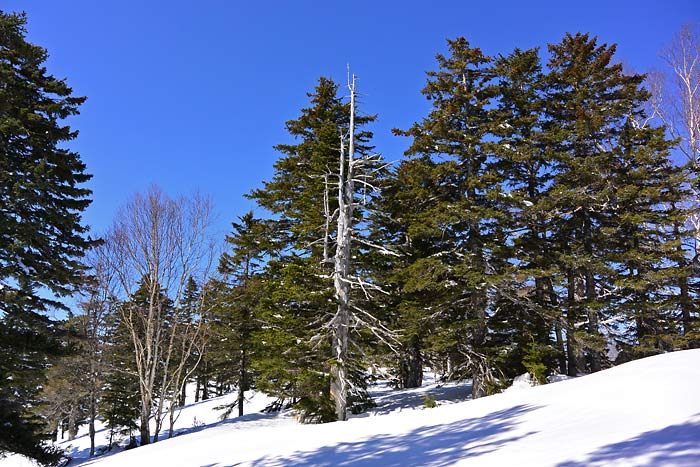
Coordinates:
[543,220]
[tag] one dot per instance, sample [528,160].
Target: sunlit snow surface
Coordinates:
[644,413]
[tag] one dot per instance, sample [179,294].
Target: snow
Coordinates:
[522,382]
[643,413]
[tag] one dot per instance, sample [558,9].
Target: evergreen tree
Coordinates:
[410,216]
[191,307]
[68,393]
[643,248]
[454,136]
[612,180]
[41,237]
[526,316]
[119,404]
[234,319]
[300,299]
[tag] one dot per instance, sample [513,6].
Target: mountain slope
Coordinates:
[643,413]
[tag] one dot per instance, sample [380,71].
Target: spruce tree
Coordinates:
[300,299]
[119,404]
[419,281]
[526,316]
[454,136]
[234,321]
[190,309]
[41,236]
[643,248]
[612,179]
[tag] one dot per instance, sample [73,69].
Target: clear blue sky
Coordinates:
[193,95]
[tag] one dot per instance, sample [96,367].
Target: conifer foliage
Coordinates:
[41,236]
[315,290]
[537,224]
[534,226]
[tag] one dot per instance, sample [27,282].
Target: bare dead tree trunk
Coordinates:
[341,321]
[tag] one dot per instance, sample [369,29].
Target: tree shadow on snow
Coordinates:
[438,445]
[400,399]
[247,418]
[675,445]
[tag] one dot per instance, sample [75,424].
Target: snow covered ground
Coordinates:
[643,413]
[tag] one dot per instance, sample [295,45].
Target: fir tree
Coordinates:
[454,136]
[612,179]
[526,315]
[41,236]
[234,319]
[300,298]
[642,244]
[119,404]
[410,216]
[191,308]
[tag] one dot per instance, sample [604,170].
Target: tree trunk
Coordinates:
[558,332]
[478,385]
[144,428]
[341,321]
[91,425]
[411,365]
[205,382]
[242,382]
[571,311]
[158,418]
[480,369]
[561,354]
[72,424]
[592,313]
[183,395]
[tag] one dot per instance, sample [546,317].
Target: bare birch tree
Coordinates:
[677,91]
[676,102]
[160,242]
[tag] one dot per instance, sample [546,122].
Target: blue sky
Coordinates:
[193,95]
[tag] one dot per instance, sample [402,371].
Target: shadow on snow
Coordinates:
[675,445]
[438,445]
[391,400]
[82,457]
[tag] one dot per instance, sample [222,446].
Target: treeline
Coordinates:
[537,223]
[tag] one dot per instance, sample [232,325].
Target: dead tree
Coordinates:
[351,171]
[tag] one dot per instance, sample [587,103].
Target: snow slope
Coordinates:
[643,413]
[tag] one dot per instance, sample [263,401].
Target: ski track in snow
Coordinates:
[644,413]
